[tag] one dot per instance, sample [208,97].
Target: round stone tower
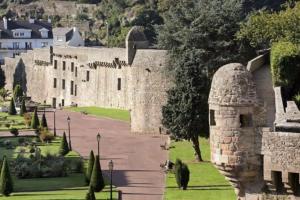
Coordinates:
[232,104]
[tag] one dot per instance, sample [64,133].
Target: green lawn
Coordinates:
[65,188]
[123,115]
[206,183]
[15,121]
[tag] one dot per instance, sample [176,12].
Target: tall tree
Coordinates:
[6,183]
[18,92]
[200,37]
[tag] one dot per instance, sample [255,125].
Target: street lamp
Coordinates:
[111,167]
[54,131]
[69,120]
[98,140]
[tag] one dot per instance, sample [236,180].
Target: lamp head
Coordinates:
[110,165]
[98,137]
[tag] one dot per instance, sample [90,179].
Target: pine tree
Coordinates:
[97,181]
[23,109]
[89,169]
[90,195]
[44,121]
[12,108]
[64,147]
[6,183]
[35,122]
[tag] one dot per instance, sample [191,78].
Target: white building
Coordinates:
[67,37]
[17,36]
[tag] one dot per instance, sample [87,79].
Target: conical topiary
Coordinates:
[6,183]
[12,108]
[97,181]
[44,121]
[182,174]
[64,147]
[90,195]
[35,123]
[23,109]
[18,92]
[89,169]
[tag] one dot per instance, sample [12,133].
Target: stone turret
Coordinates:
[232,104]
[135,39]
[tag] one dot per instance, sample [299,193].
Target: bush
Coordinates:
[44,121]
[64,147]
[90,195]
[75,166]
[285,67]
[21,140]
[45,135]
[97,181]
[35,123]
[89,169]
[12,108]
[6,183]
[14,131]
[23,109]
[27,119]
[18,92]
[182,174]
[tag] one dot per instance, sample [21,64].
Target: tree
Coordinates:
[12,108]
[91,194]
[2,78]
[89,169]
[64,147]
[18,92]
[4,93]
[44,121]
[97,181]
[6,183]
[35,122]
[23,109]
[200,37]
[182,174]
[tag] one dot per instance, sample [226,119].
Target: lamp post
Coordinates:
[111,167]
[98,140]
[69,120]
[54,131]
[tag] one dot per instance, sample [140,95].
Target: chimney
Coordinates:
[5,23]
[31,20]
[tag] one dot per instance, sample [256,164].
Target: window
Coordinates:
[119,83]
[75,90]
[64,65]
[21,34]
[55,64]
[277,180]
[16,45]
[72,66]
[87,75]
[212,119]
[63,84]
[72,87]
[246,120]
[294,182]
[62,102]
[75,71]
[54,102]
[54,83]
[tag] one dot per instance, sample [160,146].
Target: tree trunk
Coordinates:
[196,147]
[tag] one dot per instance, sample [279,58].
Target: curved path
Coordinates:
[136,157]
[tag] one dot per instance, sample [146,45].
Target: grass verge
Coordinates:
[206,183]
[118,114]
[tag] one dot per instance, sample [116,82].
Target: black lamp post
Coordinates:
[98,140]
[111,167]
[69,120]
[54,131]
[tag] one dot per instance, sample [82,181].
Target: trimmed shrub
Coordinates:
[90,195]
[97,181]
[6,183]
[89,169]
[35,123]
[45,135]
[44,121]
[182,174]
[285,67]
[18,92]
[23,109]
[14,131]
[12,108]
[64,147]
[27,119]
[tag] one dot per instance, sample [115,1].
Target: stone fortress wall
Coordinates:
[254,138]
[131,78]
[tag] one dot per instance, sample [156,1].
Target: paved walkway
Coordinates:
[136,157]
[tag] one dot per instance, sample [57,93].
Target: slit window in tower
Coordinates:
[55,64]
[246,120]
[63,84]
[64,65]
[72,87]
[87,75]
[72,66]
[54,82]
[212,119]
[119,84]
